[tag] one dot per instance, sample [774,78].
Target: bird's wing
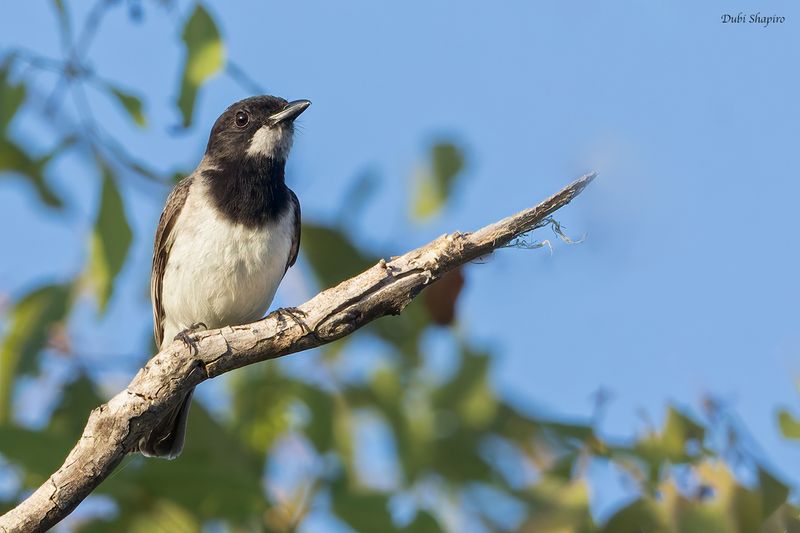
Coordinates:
[161,249]
[296,237]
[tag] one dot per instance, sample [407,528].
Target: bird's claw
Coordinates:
[187,336]
[294,313]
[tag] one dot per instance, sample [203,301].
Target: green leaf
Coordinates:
[110,241]
[216,476]
[458,457]
[436,182]
[424,522]
[37,453]
[469,393]
[641,515]
[678,430]
[773,493]
[29,326]
[790,426]
[363,511]
[404,331]
[332,255]
[670,445]
[160,515]
[164,515]
[131,103]
[320,429]
[14,159]
[557,506]
[78,400]
[261,399]
[745,507]
[205,56]
[695,517]
[11,96]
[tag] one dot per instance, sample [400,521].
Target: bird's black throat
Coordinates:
[250,190]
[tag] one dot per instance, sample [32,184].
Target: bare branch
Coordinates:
[113,429]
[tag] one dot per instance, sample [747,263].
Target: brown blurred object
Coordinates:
[441,297]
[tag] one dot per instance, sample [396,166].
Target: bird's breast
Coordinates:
[219,272]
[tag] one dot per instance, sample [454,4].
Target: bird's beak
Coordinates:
[290,112]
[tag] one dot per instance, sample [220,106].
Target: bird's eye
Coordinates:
[242,119]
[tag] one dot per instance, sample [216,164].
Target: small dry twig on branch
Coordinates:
[113,429]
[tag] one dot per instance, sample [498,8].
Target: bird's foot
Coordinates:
[295,314]
[187,336]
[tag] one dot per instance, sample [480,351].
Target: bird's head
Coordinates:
[258,127]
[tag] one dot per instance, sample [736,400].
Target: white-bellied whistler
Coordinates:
[226,237]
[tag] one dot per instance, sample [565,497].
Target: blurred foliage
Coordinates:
[435,181]
[453,451]
[132,105]
[110,240]
[31,321]
[205,56]
[790,426]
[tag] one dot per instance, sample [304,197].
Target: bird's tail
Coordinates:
[166,439]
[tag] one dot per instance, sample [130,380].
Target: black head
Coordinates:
[259,126]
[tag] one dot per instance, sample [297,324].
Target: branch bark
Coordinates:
[114,428]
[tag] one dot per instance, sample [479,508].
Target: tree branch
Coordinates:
[113,429]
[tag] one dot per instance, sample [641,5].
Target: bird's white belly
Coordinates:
[219,273]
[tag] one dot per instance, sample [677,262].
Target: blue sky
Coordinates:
[687,283]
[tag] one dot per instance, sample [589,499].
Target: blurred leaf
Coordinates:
[110,242]
[640,516]
[678,430]
[164,516]
[38,453]
[261,398]
[132,104]
[556,506]
[695,517]
[404,331]
[785,520]
[365,511]
[440,298]
[472,372]
[331,254]
[435,183]
[329,427]
[790,426]
[385,395]
[29,326]
[14,159]
[205,56]
[745,506]
[156,516]
[424,522]
[669,446]
[216,476]
[773,493]
[458,457]
[721,503]
[11,96]
[71,414]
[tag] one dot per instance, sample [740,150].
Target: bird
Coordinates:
[226,237]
